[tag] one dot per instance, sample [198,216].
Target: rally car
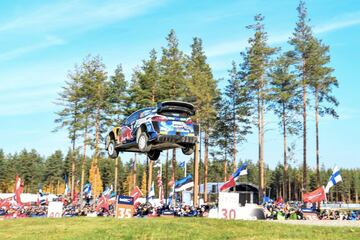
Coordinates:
[151,130]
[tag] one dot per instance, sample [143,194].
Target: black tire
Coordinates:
[142,141]
[154,155]
[112,152]
[188,150]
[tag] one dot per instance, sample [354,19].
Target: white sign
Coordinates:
[228,205]
[55,210]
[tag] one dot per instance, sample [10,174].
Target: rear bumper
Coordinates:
[176,139]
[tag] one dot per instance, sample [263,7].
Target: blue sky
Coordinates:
[42,40]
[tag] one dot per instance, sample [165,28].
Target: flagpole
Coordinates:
[185,169]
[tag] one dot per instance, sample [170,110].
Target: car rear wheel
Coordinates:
[113,153]
[154,154]
[188,150]
[142,141]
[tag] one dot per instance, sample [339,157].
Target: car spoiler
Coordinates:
[176,106]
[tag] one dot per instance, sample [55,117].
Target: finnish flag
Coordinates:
[334,179]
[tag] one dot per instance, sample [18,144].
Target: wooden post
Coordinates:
[116,175]
[196,176]
[134,172]
[150,175]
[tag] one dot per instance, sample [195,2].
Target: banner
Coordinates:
[228,203]
[55,210]
[315,196]
[124,207]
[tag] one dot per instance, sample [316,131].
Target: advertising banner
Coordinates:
[55,210]
[124,207]
[228,203]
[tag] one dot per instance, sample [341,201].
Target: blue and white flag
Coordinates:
[334,179]
[240,172]
[107,191]
[67,189]
[182,164]
[87,189]
[183,181]
[152,191]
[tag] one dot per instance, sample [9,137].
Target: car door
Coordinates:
[127,130]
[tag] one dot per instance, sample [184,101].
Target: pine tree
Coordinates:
[172,77]
[145,88]
[221,136]
[69,117]
[285,102]
[321,83]
[239,109]
[301,41]
[117,96]
[256,66]
[53,171]
[203,91]
[172,70]
[95,104]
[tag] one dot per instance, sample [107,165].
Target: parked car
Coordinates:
[151,130]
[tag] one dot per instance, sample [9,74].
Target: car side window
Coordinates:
[132,118]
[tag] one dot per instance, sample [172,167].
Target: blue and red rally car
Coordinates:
[151,130]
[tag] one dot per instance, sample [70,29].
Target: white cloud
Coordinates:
[229,47]
[73,14]
[18,52]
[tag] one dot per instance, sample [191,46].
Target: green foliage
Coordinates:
[172,70]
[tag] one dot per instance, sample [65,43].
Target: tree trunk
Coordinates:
[261,163]
[150,174]
[83,166]
[234,153]
[173,175]
[285,150]
[97,138]
[317,138]
[134,171]
[196,176]
[166,174]
[206,160]
[259,141]
[225,169]
[73,169]
[304,135]
[116,175]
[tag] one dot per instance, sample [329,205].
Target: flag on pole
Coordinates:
[317,195]
[334,179]
[67,189]
[234,177]
[160,186]
[184,187]
[183,181]
[87,189]
[152,191]
[136,193]
[19,186]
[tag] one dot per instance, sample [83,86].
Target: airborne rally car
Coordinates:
[151,130]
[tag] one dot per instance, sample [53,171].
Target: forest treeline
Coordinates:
[48,173]
[263,81]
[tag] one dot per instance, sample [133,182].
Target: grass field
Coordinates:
[175,228]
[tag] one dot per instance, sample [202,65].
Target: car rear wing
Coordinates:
[176,106]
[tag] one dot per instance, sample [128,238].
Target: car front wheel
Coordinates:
[113,153]
[142,142]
